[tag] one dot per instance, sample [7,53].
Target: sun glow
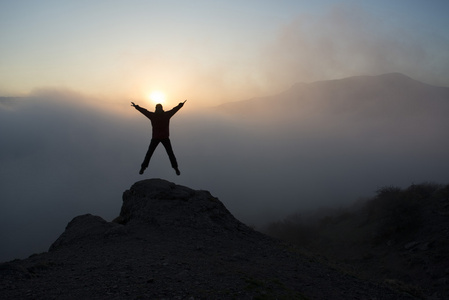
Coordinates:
[157,97]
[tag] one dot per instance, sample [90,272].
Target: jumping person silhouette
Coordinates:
[160,121]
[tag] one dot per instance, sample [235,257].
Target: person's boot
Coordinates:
[142,169]
[177,171]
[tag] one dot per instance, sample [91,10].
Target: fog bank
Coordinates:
[63,154]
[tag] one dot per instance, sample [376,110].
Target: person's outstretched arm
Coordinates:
[142,110]
[176,108]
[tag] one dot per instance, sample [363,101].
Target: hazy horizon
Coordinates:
[64,154]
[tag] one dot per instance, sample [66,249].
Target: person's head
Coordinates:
[159,108]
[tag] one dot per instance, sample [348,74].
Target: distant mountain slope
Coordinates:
[383,93]
[373,110]
[172,242]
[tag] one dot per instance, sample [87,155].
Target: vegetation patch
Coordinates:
[394,238]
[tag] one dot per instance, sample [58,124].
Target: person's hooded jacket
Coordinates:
[160,120]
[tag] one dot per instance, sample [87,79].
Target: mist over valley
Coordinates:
[321,144]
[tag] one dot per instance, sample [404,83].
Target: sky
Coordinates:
[70,143]
[215,51]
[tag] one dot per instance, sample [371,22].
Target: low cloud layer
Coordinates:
[63,155]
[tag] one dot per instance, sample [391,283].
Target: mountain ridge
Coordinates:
[393,86]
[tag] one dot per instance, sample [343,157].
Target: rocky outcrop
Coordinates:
[172,242]
[156,205]
[85,229]
[161,203]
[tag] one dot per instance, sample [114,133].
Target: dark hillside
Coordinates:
[401,237]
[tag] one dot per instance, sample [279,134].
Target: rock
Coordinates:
[84,228]
[160,203]
[155,203]
[411,245]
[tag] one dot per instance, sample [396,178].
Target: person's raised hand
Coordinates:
[133,105]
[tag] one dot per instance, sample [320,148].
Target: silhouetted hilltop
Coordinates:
[175,206]
[156,205]
[172,242]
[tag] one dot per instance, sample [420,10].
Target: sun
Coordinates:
[157,97]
